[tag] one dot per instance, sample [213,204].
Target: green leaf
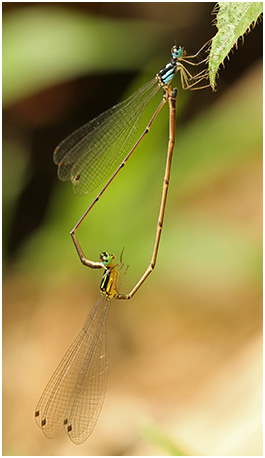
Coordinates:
[234,19]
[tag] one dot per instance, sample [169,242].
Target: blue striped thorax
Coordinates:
[166,73]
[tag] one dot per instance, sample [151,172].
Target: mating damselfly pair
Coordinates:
[73,398]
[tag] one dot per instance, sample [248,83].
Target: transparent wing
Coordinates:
[91,153]
[74,396]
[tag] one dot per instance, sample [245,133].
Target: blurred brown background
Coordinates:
[186,352]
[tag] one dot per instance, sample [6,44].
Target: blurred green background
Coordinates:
[186,351]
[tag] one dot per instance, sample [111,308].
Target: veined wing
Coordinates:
[91,153]
[74,396]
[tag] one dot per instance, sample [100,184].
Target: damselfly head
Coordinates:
[177,51]
[106,258]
